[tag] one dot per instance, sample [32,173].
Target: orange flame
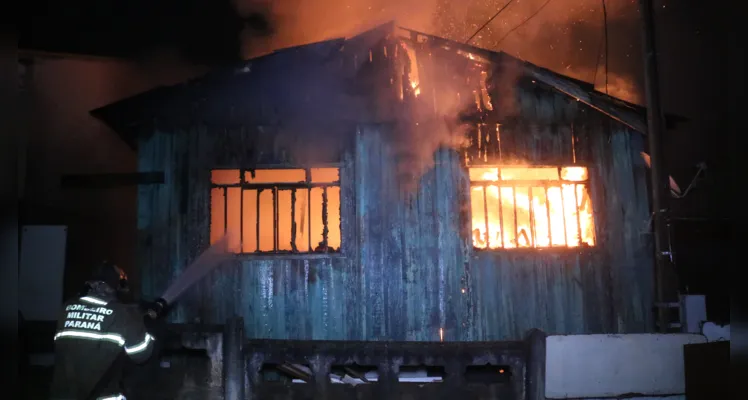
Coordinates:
[413,74]
[536,207]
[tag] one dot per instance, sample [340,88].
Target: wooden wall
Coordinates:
[406,269]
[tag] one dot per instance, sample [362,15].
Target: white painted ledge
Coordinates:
[599,366]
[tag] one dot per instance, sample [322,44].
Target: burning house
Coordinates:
[395,186]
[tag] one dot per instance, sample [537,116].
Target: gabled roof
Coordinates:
[178,101]
[128,115]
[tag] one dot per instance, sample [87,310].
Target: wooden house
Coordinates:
[395,186]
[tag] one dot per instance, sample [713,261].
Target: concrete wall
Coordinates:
[600,366]
[41,272]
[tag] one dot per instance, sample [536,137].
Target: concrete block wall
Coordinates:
[637,366]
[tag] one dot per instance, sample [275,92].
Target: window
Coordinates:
[276,210]
[532,207]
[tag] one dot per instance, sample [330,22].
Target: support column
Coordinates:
[233,359]
[535,365]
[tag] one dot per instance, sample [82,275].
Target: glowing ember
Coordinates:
[535,206]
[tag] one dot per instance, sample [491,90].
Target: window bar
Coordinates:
[576,210]
[485,214]
[532,217]
[293,221]
[275,219]
[225,209]
[241,212]
[501,218]
[308,174]
[516,228]
[257,222]
[325,231]
[563,216]
[309,213]
[548,212]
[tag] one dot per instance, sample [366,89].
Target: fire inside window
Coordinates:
[531,207]
[276,210]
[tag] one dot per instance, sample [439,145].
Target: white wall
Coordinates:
[599,366]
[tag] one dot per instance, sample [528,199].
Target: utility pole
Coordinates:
[659,178]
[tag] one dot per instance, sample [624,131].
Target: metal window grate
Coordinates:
[530,207]
[277,211]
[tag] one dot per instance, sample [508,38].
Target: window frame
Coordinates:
[275,187]
[529,183]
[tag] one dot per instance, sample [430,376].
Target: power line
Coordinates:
[523,22]
[605,30]
[489,21]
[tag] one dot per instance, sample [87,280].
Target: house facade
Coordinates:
[395,186]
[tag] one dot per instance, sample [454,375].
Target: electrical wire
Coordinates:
[523,22]
[489,21]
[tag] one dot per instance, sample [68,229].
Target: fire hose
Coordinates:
[198,269]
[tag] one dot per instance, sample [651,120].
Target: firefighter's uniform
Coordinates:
[95,336]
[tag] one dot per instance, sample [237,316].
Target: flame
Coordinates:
[574,174]
[413,73]
[530,191]
[484,91]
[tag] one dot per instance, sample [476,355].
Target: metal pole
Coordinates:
[660,189]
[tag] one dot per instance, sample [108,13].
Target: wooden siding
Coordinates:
[407,268]
[406,257]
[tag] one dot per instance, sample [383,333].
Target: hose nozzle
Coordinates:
[157,308]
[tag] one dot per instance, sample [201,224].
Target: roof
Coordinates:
[306,64]
[630,114]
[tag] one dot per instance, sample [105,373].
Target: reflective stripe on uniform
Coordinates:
[111,337]
[140,346]
[94,300]
[113,397]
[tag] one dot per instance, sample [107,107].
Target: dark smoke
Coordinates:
[211,32]
[566,36]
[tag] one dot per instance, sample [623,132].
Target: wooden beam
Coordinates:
[112,180]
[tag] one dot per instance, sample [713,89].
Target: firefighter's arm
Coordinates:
[138,342]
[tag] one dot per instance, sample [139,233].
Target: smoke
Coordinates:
[565,36]
[297,22]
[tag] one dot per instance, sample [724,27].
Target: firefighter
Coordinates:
[97,336]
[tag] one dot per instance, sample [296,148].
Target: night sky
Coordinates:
[566,36]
